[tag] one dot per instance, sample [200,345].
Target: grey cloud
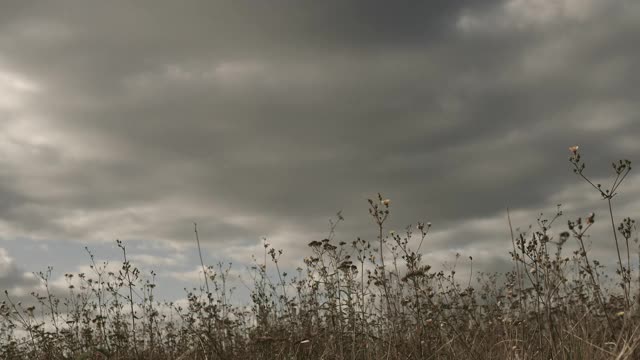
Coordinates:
[288,112]
[12,276]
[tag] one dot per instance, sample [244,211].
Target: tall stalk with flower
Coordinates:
[621,169]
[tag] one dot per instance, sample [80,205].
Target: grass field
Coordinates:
[357,299]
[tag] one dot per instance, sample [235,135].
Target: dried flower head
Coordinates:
[574,149]
[386,202]
[591,218]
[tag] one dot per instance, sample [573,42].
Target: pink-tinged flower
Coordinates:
[574,149]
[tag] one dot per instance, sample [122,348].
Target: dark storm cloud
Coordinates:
[259,118]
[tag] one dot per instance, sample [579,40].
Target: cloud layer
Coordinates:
[134,120]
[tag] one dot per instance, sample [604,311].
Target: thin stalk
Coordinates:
[204,269]
[622,271]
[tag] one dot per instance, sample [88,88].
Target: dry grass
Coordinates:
[354,300]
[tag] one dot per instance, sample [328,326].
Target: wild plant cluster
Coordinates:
[360,299]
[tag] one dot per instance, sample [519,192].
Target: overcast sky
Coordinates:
[132,120]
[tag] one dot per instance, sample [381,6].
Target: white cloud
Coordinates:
[530,14]
[13,278]
[148,260]
[6,262]
[191,276]
[15,90]
[234,71]
[543,12]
